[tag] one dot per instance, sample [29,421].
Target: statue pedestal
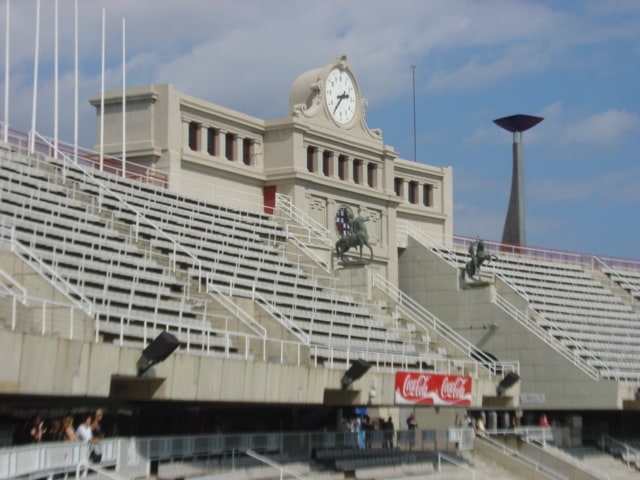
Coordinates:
[354,276]
[481,280]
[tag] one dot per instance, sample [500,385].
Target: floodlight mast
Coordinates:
[514,232]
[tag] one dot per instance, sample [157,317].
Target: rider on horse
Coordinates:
[357,236]
[478,257]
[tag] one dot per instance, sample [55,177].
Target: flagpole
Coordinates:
[55,80]
[6,75]
[124,101]
[75,86]
[102,97]
[35,82]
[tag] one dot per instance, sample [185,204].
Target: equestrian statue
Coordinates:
[353,235]
[478,257]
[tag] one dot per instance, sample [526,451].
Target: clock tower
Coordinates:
[330,97]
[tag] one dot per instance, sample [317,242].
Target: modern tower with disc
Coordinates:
[514,232]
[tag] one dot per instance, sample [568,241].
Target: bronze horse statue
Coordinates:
[478,257]
[357,237]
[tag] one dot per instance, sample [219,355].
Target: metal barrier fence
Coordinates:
[138,454]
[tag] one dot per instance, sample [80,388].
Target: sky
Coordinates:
[576,63]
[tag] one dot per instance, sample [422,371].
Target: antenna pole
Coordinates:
[6,76]
[413,72]
[32,134]
[124,102]
[102,97]
[55,80]
[75,86]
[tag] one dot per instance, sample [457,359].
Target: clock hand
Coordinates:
[344,96]
[337,104]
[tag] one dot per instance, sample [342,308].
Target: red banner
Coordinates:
[415,388]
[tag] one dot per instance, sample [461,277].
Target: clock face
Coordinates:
[340,96]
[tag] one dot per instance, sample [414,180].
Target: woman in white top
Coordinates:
[83,432]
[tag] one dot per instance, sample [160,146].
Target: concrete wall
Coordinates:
[35,364]
[469,311]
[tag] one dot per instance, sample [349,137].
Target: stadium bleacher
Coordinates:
[138,257]
[571,301]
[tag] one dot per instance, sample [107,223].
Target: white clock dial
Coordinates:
[340,96]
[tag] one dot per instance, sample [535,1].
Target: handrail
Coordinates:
[426,241]
[547,336]
[39,266]
[294,213]
[457,463]
[21,141]
[607,440]
[22,296]
[574,461]
[83,467]
[139,215]
[314,229]
[275,313]
[520,458]
[271,463]
[235,310]
[326,266]
[428,321]
[619,279]
[524,251]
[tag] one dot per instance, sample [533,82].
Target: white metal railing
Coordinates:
[104,189]
[446,254]
[74,295]
[145,176]
[12,287]
[617,278]
[267,461]
[575,356]
[141,174]
[429,243]
[83,468]
[272,309]
[53,319]
[629,454]
[578,355]
[135,454]
[305,231]
[314,230]
[429,322]
[472,472]
[518,251]
[225,300]
[53,457]
[544,437]
[518,457]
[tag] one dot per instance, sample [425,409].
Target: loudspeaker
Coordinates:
[358,369]
[157,351]
[507,382]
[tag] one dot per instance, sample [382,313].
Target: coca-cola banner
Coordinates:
[432,389]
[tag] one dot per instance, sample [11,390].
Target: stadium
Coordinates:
[240,295]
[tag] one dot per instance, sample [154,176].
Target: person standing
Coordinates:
[83,432]
[96,424]
[388,433]
[68,432]
[412,425]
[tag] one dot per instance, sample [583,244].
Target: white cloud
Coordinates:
[478,72]
[602,129]
[618,186]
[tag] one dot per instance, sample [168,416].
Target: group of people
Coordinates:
[365,427]
[36,430]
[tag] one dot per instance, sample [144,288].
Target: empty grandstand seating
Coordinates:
[571,301]
[145,258]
